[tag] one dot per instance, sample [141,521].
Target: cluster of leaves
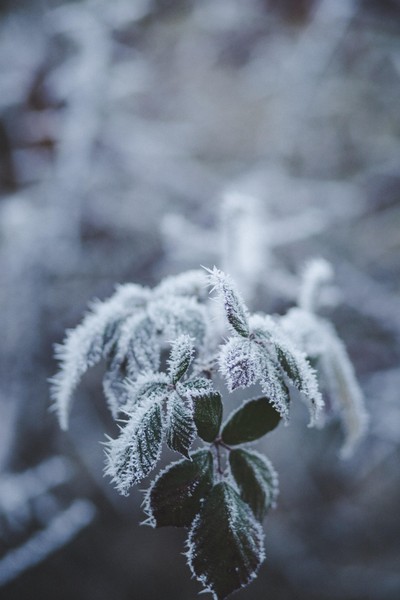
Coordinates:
[223,490]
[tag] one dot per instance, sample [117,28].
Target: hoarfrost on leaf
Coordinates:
[181,356]
[194,387]
[283,363]
[131,456]
[139,345]
[148,386]
[234,306]
[88,343]
[238,363]
[181,430]
[175,315]
[320,342]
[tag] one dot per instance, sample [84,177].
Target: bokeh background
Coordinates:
[139,138]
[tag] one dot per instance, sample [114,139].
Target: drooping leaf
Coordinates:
[250,421]
[132,456]
[238,361]
[208,416]
[345,393]
[181,356]
[256,479]
[273,385]
[181,430]
[283,362]
[115,388]
[88,343]
[175,495]
[179,315]
[225,543]
[139,344]
[235,308]
[300,374]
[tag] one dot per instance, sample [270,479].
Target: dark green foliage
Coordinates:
[289,365]
[225,542]
[174,497]
[181,429]
[256,479]
[208,416]
[251,421]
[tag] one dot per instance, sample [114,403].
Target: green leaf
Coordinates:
[273,385]
[251,421]
[208,416]
[174,497]
[256,479]
[181,430]
[135,452]
[289,365]
[225,543]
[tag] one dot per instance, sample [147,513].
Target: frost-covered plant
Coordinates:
[318,339]
[164,350]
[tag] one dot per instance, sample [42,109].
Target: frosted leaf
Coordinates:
[346,394]
[181,430]
[320,341]
[175,496]
[238,362]
[132,456]
[154,387]
[190,283]
[292,362]
[174,316]
[225,543]
[235,308]
[272,384]
[115,389]
[181,356]
[195,387]
[139,345]
[88,343]
[316,274]
[306,331]
[256,479]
